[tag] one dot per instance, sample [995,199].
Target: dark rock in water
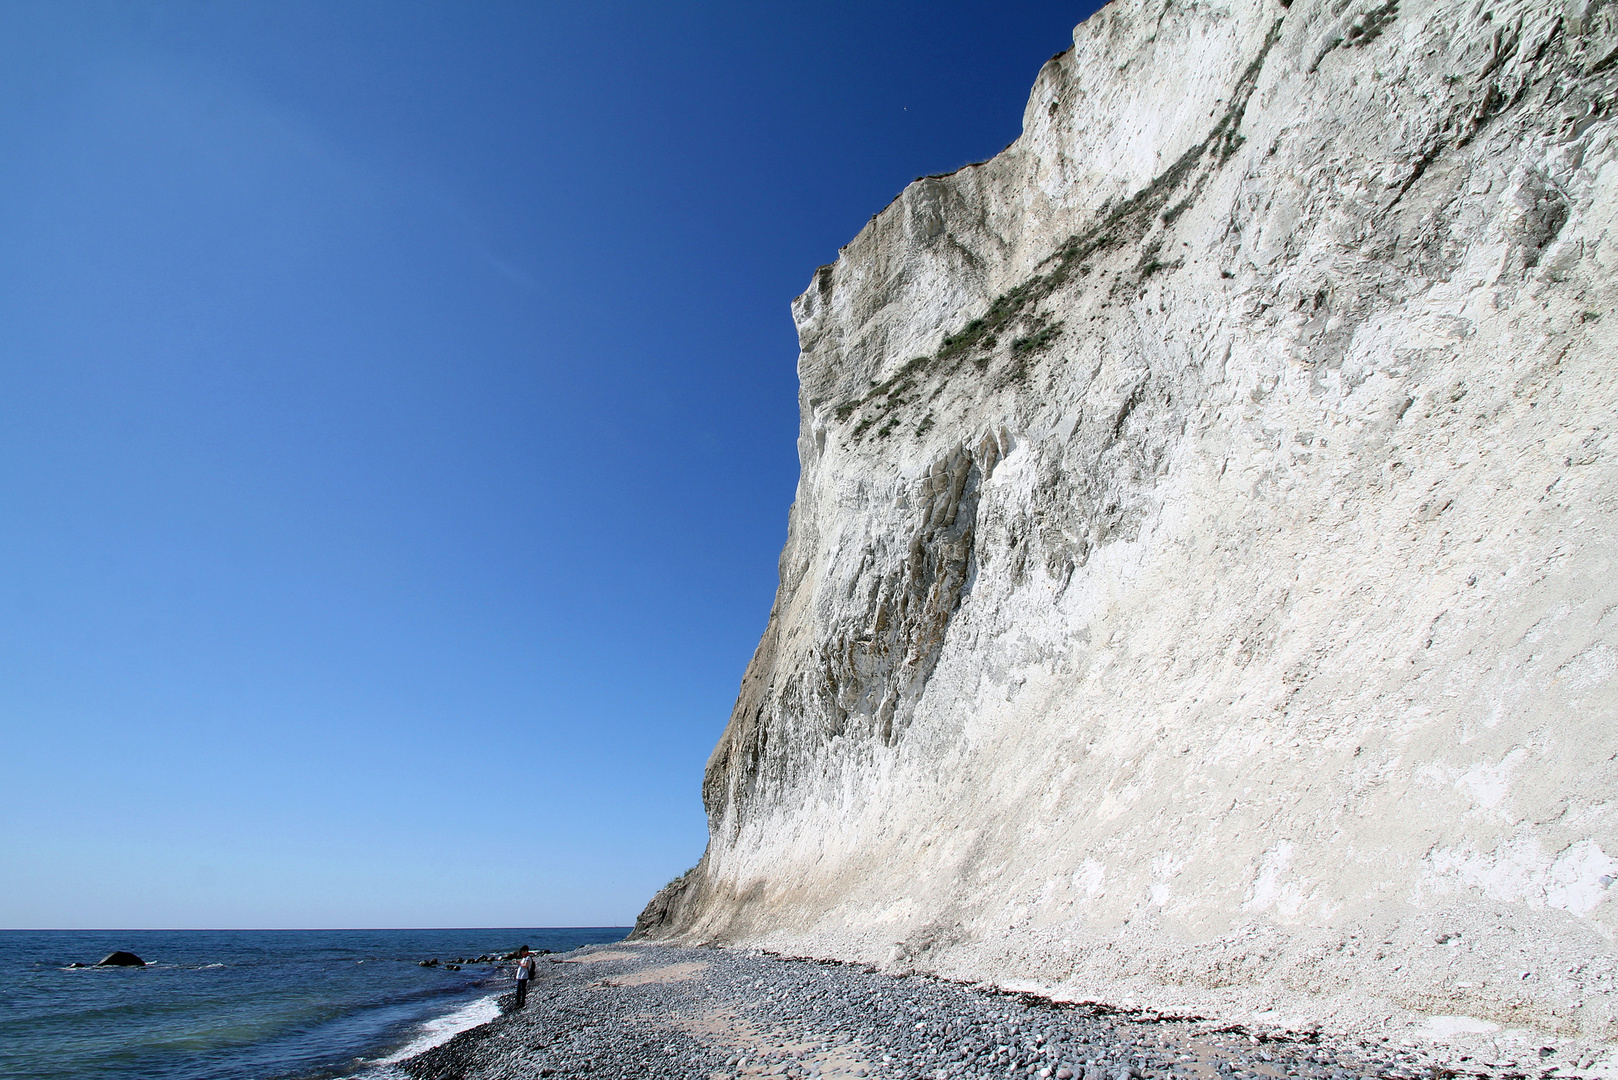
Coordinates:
[75,964]
[452,967]
[121,959]
[427,963]
[516,954]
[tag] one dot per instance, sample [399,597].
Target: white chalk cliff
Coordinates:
[1202,587]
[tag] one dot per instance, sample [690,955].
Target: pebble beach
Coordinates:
[635,1010]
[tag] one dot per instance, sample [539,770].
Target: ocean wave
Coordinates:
[444,1028]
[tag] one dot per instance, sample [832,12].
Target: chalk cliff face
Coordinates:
[1201,588]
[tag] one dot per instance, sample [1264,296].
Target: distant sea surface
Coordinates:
[247,1004]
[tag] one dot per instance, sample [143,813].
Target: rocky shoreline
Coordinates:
[635,1010]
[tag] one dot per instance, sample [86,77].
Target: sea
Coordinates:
[249,1004]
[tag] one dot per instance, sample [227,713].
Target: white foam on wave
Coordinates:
[441,1030]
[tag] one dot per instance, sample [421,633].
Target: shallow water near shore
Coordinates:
[245,1004]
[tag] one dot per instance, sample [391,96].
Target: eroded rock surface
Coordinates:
[1200,589]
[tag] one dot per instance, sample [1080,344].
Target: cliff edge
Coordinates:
[1201,586]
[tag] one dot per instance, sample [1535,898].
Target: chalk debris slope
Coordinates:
[1201,585]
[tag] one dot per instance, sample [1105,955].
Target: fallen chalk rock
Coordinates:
[121,959]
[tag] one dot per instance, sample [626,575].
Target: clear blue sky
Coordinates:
[397,424]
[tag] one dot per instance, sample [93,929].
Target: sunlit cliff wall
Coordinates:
[1201,587]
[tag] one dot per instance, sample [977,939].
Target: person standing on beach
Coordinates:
[525,971]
